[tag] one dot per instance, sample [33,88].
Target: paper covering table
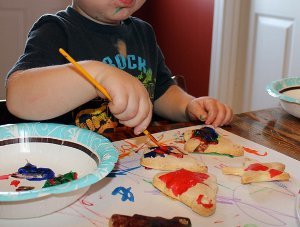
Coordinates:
[128,190]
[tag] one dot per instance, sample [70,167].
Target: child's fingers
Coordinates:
[211,109]
[228,116]
[202,109]
[224,115]
[144,107]
[126,110]
[220,116]
[143,125]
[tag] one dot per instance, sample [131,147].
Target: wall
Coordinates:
[16,18]
[184,33]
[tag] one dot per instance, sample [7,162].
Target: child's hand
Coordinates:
[210,111]
[131,103]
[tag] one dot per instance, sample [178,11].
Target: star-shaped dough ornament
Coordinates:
[253,171]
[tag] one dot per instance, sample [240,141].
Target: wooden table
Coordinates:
[273,128]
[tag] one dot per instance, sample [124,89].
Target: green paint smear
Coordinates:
[118,10]
[249,225]
[150,182]
[217,154]
[224,186]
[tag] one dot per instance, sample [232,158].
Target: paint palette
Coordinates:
[46,167]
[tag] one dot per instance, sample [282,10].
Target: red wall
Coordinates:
[184,33]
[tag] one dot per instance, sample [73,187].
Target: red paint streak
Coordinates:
[123,155]
[159,151]
[205,205]
[255,152]
[15,183]
[4,177]
[91,211]
[84,216]
[78,213]
[256,167]
[180,141]
[131,144]
[85,202]
[126,149]
[140,148]
[181,180]
[52,181]
[220,166]
[163,150]
[274,172]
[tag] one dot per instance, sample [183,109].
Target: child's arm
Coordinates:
[175,104]
[172,104]
[48,92]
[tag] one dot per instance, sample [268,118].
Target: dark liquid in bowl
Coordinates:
[289,89]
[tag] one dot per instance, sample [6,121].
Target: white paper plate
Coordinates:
[60,148]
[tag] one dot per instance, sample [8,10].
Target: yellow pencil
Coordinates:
[85,73]
[99,87]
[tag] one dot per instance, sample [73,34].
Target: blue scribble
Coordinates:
[153,154]
[125,192]
[123,172]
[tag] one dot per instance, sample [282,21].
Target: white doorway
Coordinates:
[16,19]
[254,42]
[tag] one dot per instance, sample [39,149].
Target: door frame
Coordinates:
[228,57]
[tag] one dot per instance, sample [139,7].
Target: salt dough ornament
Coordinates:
[207,140]
[170,158]
[253,171]
[196,190]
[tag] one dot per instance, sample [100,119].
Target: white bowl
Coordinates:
[60,148]
[288,92]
